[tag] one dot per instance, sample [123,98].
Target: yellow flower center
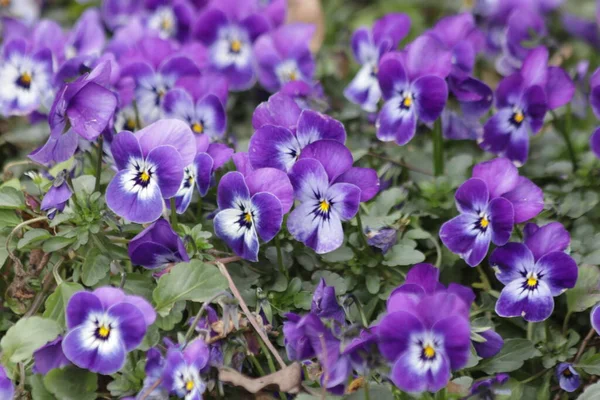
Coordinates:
[236,46]
[248,217]
[407,102]
[103,331]
[165,24]
[484,222]
[25,79]
[567,372]
[145,177]
[198,127]
[532,281]
[324,206]
[130,124]
[293,76]
[189,385]
[429,351]
[519,117]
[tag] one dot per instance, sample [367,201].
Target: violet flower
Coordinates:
[274,10]
[205,116]
[362,351]
[150,164]
[117,13]
[155,364]
[49,357]
[56,198]
[7,389]
[425,337]
[25,77]
[413,87]
[368,46]
[84,107]
[278,146]
[489,388]
[87,37]
[328,191]
[250,207]
[181,375]
[534,273]
[228,28]
[595,318]
[307,95]
[170,19]
[156,246]
[283,55]
[104,325]
[297,344]
[383,239]
[492,345]
[522,100]
[568,379]
[325,304]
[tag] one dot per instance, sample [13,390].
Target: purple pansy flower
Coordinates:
[522,100]
[49,357]
[171,19]
[278,146]
[489,388]
[383,239]
[155,66]
[534,272]
[117,13]
[325,198]
[56,198]
[362,351]
[155,364]
[156,246]
[307,95]
[568,379]
[492,345]
[84,107]
[150,165]
[181,375]
[104,325]
[368,46]
[228,28]
[274,10]
[414,88]
[595,318]
[200,174]
[297,343]
[325,305]
[250,207]
[25,78]
[7,389]
[424,336]
[207,115]
[87,37]
[283,56]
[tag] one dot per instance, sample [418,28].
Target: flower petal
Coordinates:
[365,178]
[204,171]
[431,94]
[527,200]
[393,341]
[559,270]
[333,156]
[169,169]
[394,123]
[232,189]
[123,147]
[456,333]
[472,196]
[269,216]
[533,305]
[170,132]
[143,206]
[560,89]
[281,110]
[273,147]
[272,181]
[426,55]
[391,75]
[345,199]
[106,358]
[309,179]
[595,141]
[511,261]
[502,220]
[79,307]
[243,241]
[129,323]
[491,346]
[499,174]
[313,126]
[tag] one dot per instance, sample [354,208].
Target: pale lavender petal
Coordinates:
[527,200]
[426,55]
[308,178]
[533,305]
[76,348]
[91,110]
[472,196]
[281,110]
[272,181]
[169,169]
[558,270]
[130,323]
[410,378]
[123,147]
[344,199]
[127,202]
[313,126]
[511,261]
[365,178]
[232,188]
[169,132]
[243,241]
[269,215]
[392,26]
[535,67]
[394,123]
[362,45]
[320,234]
[499,174]
[273,147]
[109,296]
[220,153]
[393,341]
[80,305]
[333,155]
[424,275]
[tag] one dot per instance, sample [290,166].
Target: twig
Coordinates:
[287,380]
[249,315]
[46,285]
[18,265]
[188,334]
[149,391]
[584,344]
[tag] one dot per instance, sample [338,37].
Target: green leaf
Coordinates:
[57,243]
[379,392]
[586,292]
[591,392]
[169,321]
[33,236]
[511,357]
[331,279]
[95,267]
[72,383]
[303,300]
[11,198]
[57,301]
[38,390]
[592,258]
[402,254]
[9,219]
[343,254]
[417,234]
[373,283]
[26,336]
[194,281]
[591,365]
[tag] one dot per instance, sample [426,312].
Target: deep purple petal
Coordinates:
[243,241]
[49,357]
[130,323]
[169,169]
[77,349]
[426,55]
[456,333]
[232,188]
[472,196]
[559,270]
[431,94]
[509,91]
[501,215]
[344,199]
[365,178]
[425,275]
[517,301]
[393,341]
[391,75]
[527,200]
[595,318]
[396,124]
[499,174]
[204,165]
[568,379]
[123,147]
[313,126]
[79,307]
[392,26]
[475,96]
[269,215]
[333,155]
[169,132]
[208,24]
[129,204]
[459,234]
[91,110]
[511,261]
[559,89]
[595,142]
[273,147]
[272,181]
[280,110]
[491,346]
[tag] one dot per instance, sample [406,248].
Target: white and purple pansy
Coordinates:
[25,78]
[7,389]
[283,56]
[368,46]
[568,378]
[150,165]
[200,174]
[229,28]
[250,207]
[156,246]
[103,326]
[534,272]
[181,375]
[414,88]
[329,191]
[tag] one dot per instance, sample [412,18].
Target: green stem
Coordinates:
[534,377]
[438,148]
[361,232]
[136,111]
[565,326]
[484,279]
[565,131]
[265,350]
[173,213]
[99,164]
[367,395]
[257,365]
[280,257]
[530,330]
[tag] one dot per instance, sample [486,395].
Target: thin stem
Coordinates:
[99,163]
[280,257]
[530,331]
[534,377]
[18,265]
[199,210]
[149,391]
[584,344]
[136,111]
[565,131]
[173,213]
[257,365]
[487,286]
[55,273]
[367,394]
[190,330]
[46,285]
[566,322]
[264,349]
[361,231]
[438,148]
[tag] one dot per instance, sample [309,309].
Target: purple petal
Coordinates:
[220,153]
[364,89]
[272,181]
[273,147]
[472,196]
[59,147]
[243,241]
[130,323]
[499,174]
[527,200]
[313,126]
[535,67]
[407,375]
[49,357]
[517,149]
[426,55]
[77,349]
[208,24]
[595,142]
[491,346]
[242,163]
[568,379]
[281,110]
[393,26]
[424,275]
[178,103]
[560,88]
[169,169]
[405,297]
[197,353]
[345,199]
[440,305]
[321,235]
[497,131]
[475,96]
[123,147]
[595,318]
[109,296]
[232,188]
[143,305]
[535,104]
[170,132]
[456,127]
[91,110]
[456,333]
[308,177]
[79,307]
[393,123]
[127,203]
[204,171]
[178,66]
[269,216]
[365,178]
[393,341]
[211,111]
[431,94]
[458,234]
[333,155]
[509,91]
[363,46]
[391,75]
[511,261]
[502,220]
[533,305]
[208,83]
[559,271]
